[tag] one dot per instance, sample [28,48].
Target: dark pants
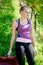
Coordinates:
[27,48]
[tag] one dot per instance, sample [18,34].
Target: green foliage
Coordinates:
[6,18]
[37,6]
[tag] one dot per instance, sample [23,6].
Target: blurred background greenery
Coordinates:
[9,11]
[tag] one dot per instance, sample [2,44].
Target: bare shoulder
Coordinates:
[14,24]
[32,23]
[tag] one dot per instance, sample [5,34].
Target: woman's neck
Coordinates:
[23,19]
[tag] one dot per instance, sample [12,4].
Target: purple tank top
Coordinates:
[24,31]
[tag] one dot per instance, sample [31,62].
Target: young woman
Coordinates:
[25,38]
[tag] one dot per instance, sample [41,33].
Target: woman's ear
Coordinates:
[21,12]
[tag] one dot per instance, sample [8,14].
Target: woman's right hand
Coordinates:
[9,53]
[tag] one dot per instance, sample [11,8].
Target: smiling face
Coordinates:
[26,12]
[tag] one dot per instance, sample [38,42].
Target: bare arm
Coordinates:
[32,33]
[14,26]
[33,39]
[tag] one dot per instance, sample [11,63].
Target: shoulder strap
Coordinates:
[18,21]
[29,21]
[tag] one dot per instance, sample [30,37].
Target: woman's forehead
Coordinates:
[27,9]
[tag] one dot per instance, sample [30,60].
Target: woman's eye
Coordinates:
[27,12]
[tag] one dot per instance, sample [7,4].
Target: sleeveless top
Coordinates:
[24,32]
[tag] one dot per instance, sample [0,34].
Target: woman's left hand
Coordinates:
[35,51]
